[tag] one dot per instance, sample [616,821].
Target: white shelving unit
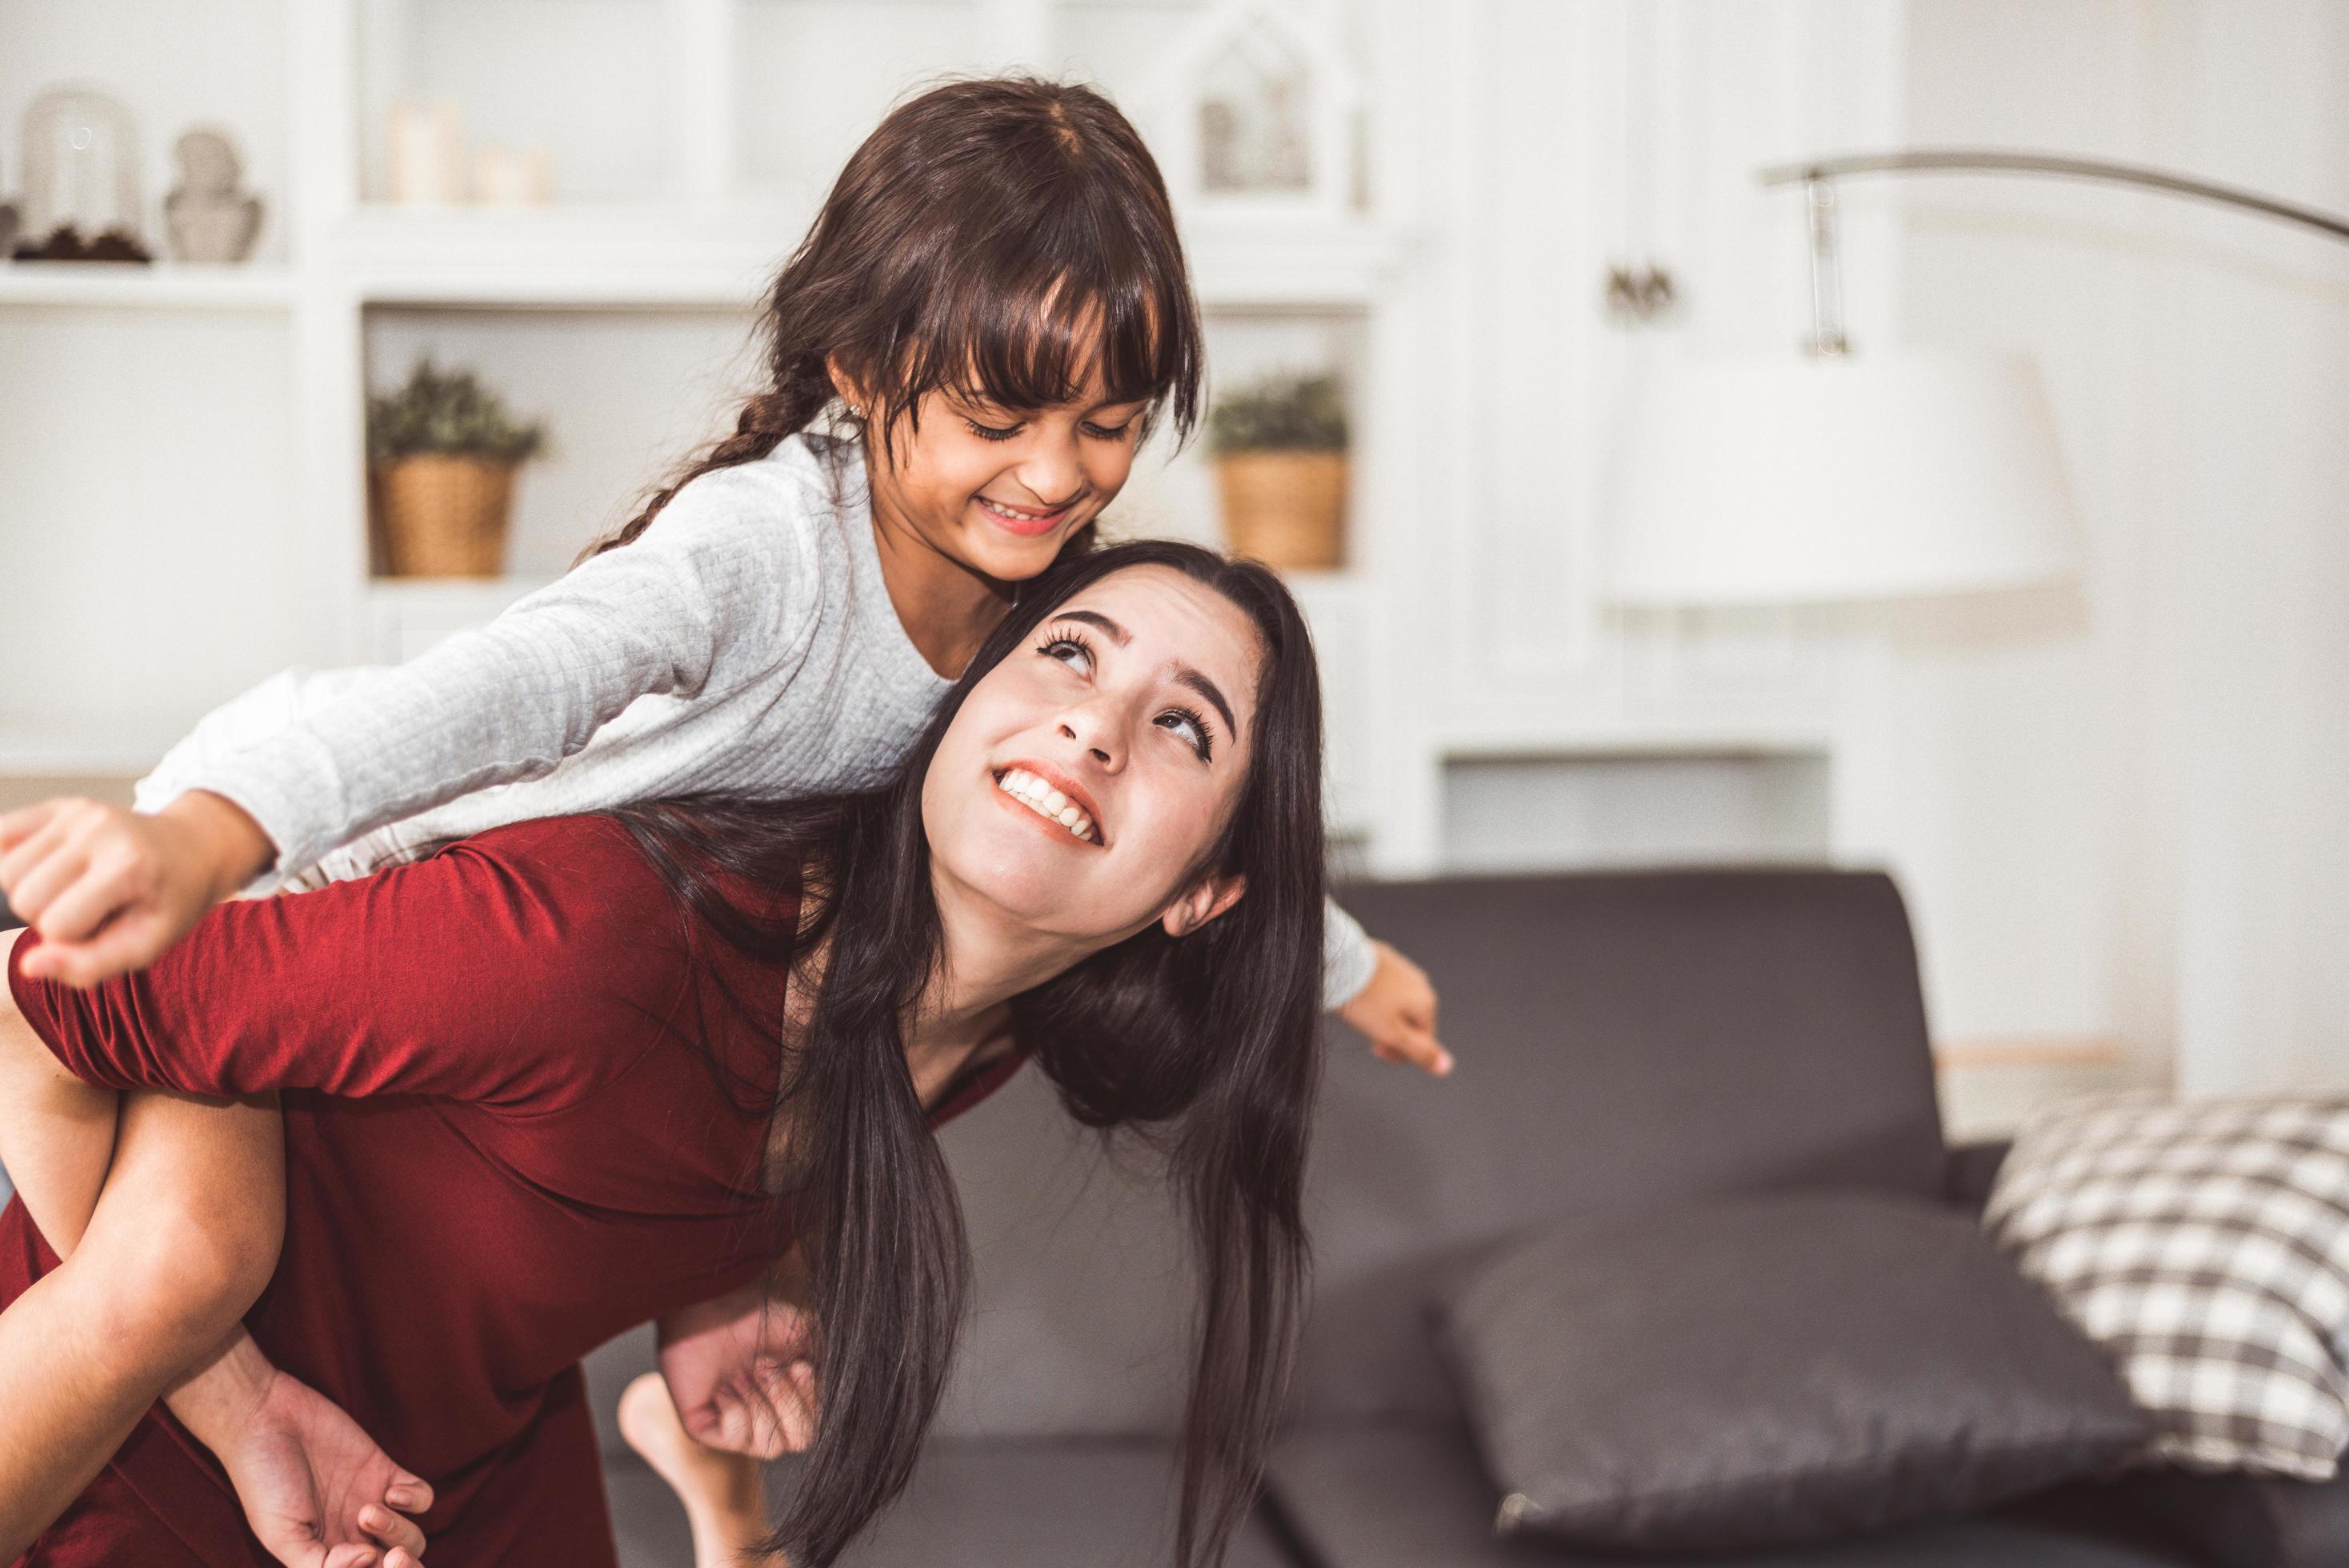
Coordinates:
[674,212]
[692,140]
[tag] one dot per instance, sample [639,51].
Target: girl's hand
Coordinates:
[740,1371]
[1396,1013]
[109,889]
[316,1488]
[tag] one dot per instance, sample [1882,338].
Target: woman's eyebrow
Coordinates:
[1100,623]
[1185,675]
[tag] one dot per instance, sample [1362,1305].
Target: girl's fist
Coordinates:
[109,889]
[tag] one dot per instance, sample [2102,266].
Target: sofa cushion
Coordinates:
[2239,1521]
[1409,1495]
[2207,1247]
[1624,1041]
[978,1503]
[1768,1370]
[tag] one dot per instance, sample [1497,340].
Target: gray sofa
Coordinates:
[1624,1040]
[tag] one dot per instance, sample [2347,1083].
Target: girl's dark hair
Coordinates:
[1208,1042]
[1000,237]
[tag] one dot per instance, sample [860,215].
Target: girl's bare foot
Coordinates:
[721,1493]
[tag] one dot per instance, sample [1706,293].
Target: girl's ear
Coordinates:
[1208,898]
[845,385]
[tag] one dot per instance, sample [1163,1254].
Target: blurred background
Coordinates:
[2112,793]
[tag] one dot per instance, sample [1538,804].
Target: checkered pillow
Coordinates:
[2207,1247]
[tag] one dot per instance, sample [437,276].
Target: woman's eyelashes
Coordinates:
[1070,647]
[1202,740]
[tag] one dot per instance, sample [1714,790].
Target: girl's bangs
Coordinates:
[1036,342]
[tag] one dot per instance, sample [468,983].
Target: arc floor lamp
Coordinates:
[1839,475]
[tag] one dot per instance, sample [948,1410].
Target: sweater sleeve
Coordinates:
[511,701]
[1348,959]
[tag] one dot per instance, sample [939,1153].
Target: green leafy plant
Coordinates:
[448,412]
[1283,412]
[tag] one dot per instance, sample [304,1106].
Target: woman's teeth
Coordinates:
[1046,801]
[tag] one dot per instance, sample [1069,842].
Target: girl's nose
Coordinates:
[1053,473]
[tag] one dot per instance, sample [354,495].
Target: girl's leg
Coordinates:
[183,1237]
[724,1502]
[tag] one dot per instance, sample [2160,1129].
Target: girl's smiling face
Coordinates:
[1086,779]
[999,490]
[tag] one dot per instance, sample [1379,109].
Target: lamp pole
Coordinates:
[1827,339]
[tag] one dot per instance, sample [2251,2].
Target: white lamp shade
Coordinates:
[1838,478]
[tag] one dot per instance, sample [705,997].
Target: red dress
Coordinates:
[501,1149]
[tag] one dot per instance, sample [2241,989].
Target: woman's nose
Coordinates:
[1092,732]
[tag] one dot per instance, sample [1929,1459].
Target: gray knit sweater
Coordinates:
[744,645]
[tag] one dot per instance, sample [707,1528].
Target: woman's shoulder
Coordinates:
[586,913]
[599,880]
[582,883]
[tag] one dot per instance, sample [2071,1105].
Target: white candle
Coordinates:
[427,147]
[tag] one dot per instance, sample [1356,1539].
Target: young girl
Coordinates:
[486,1060]
[989,316]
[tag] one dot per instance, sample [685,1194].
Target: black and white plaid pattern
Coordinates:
[2207,1247]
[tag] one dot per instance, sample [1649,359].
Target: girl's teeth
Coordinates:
[1054,802]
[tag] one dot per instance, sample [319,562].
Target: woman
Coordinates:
[533,1093]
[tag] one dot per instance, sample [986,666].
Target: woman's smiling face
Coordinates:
[1086,777]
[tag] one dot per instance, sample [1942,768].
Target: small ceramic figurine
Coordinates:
[206,216]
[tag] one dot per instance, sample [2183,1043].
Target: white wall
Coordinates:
[2126,808]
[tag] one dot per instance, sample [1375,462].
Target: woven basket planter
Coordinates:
[1285,508]
[440,515]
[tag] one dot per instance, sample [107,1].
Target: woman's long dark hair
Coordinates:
[1001,235]
[1209,1041]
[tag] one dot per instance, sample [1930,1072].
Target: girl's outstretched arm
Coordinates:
[716,593]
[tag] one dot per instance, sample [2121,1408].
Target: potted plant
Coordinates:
[441,456]
[1281,457]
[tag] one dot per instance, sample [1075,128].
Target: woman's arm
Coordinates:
[168,1238]
[162,1255]
[57,1132]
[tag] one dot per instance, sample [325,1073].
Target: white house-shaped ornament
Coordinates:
[1257,116]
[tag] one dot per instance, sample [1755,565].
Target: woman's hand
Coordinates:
[739,1369]
[316,1491]
[111,889]
[1396,1013]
